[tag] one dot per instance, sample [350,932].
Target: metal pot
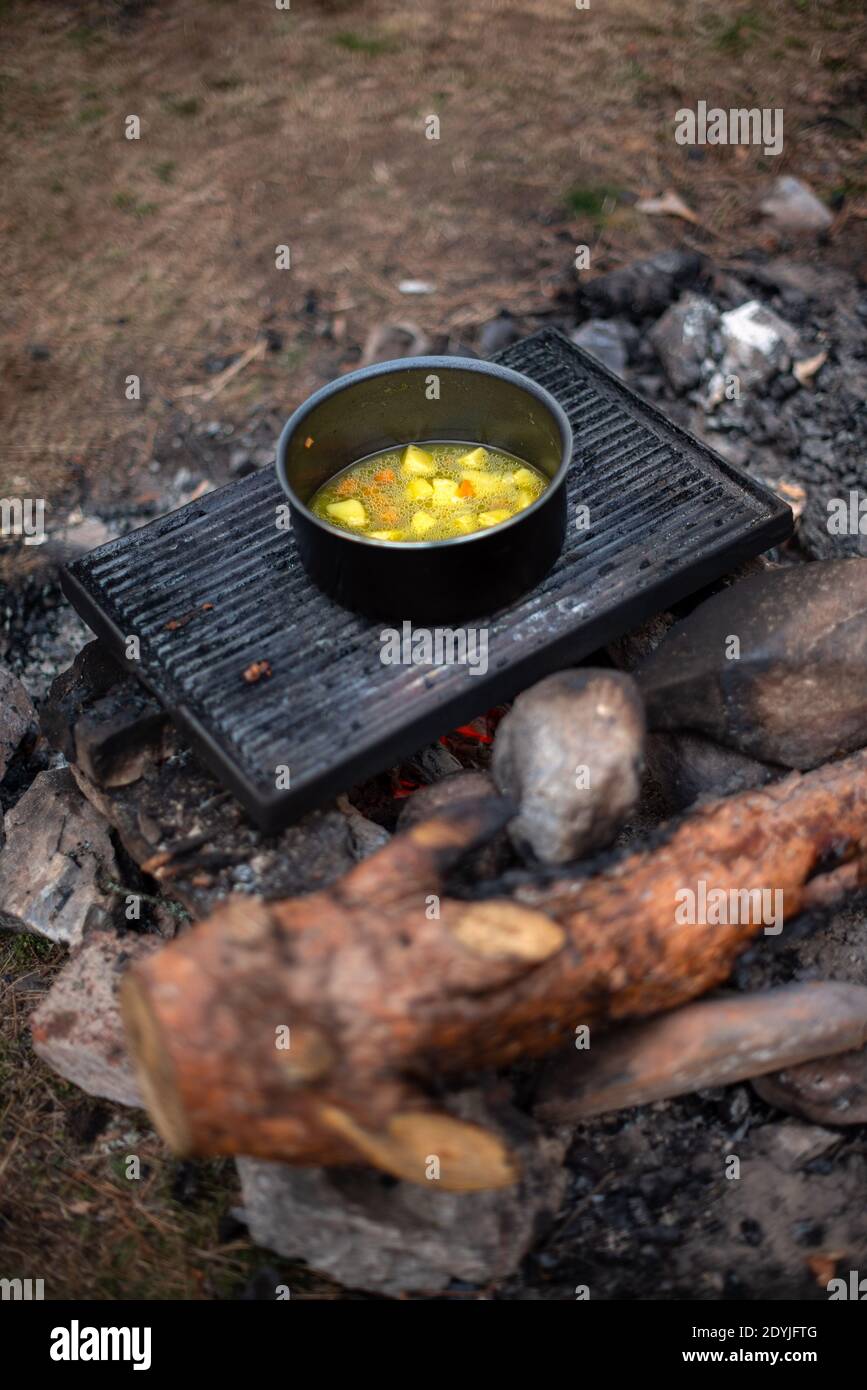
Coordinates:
[416,399]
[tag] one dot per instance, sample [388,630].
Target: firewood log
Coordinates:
[381,988]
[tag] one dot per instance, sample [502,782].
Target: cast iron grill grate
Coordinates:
[667,516]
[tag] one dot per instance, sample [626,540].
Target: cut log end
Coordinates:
[156,1074]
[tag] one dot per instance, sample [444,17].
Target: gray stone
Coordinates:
[790,1146]
[77,1028]
[569,753]
[366,837]
[389,340]
[683,339]
[773,666]
[828,1091]
[390,1237]
[497,334]
[604,341]
[758,344]
[687,767]
[17,718]
[793,205]
[57,857]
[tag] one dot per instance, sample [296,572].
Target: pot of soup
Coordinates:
[430,488]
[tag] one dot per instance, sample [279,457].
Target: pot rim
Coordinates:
[393,367]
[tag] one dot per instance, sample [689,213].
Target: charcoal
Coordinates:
[645,288]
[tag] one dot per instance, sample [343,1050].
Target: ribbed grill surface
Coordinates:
[667,515]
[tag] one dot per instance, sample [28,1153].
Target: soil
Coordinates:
[305,128]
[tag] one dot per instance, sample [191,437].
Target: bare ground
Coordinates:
[306,128]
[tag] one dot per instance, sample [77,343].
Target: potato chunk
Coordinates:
[417,462]
[524,478]
[476,458]
[385,535]
[419,488]
[422,522]
[466,523]
[524,499]
[350,512]
[494,518]
[445,491]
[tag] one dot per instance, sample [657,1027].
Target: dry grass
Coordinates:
[68,1212]
[306,127]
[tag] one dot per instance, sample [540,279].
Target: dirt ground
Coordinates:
[156,257]
[306,128]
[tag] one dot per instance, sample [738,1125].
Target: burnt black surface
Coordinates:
[215,587]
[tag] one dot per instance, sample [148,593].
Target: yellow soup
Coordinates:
[428,492]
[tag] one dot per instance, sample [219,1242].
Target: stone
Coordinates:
[498,333]
[77,1028]
[365,835]
[370,1232]
[758,344]
[773,666]
[793,205]
[645,288]
[688,767]
[569,753]
[389,340]
[828,1091]
[604,341]
[18,721]
[56,861]
[683,339]
[710,1043]
[791,1146]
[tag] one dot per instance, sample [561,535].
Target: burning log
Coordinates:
[314,1030]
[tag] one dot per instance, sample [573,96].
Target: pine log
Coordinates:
[385,987]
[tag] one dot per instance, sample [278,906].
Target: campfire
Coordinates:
[435,980]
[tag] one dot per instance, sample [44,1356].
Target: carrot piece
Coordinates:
[346,487]
[388,516]
[385,475]
[466,489]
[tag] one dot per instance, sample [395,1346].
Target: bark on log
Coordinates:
[382,998]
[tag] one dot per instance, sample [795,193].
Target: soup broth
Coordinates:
[428,492]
